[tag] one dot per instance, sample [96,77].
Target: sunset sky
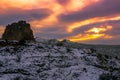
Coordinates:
[84,21]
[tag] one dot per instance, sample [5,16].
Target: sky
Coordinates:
[84,21]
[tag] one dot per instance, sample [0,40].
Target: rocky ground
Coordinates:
[40,61]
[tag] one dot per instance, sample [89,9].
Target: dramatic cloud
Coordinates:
[107,30]
[63,2]
[114,23]
[19,14]
[101,9]
[86,21]
[52,32]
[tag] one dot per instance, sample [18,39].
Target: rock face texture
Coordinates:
[19,31]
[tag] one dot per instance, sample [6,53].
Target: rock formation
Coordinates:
[19,31]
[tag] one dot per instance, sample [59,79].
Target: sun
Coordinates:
[99,30]
[95,30]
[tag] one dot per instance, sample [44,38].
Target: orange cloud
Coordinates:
[58,9]
[76,5]
[72,26]
[53,5]
[99,30]
[87,37]
[83,37]
[92,34]
[24,4]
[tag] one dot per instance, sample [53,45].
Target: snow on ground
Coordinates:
[37,61]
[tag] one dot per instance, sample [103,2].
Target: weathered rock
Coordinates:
[18,31]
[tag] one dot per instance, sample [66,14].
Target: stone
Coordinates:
[19,31]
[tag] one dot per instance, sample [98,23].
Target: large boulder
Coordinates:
[19,31]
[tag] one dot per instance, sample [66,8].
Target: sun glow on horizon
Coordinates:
[87,37]
[92,34]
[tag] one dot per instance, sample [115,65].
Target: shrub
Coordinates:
[60,43]
[22,42]
[18,57]
[108,76]
[101,58]
[92,50]
[69,50]
[17,78]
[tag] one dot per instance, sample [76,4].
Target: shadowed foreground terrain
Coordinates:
[54,60]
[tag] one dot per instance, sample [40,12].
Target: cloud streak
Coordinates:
[101,9]
[19,14]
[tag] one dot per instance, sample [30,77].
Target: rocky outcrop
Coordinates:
[19,31]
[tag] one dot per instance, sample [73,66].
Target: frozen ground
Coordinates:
[40,61]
